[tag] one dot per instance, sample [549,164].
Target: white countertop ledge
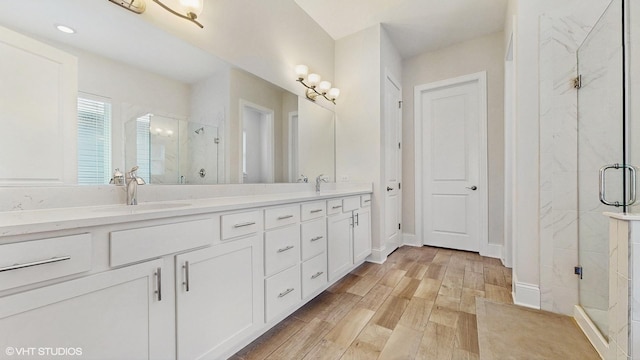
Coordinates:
[623,216]
[25,222]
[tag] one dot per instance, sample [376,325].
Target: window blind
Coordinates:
[94,141]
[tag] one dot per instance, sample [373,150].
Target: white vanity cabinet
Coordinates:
[117,314]
[349,235]
[220,297]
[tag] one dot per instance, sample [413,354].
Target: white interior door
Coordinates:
[393,170]
[453,162]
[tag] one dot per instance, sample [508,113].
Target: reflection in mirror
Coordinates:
[315,141]
[172,151]
[193,89]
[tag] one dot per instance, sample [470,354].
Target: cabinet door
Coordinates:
[220,297]
[339,233]
[362,235]
[112,315]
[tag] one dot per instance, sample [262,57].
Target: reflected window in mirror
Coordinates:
[94,140]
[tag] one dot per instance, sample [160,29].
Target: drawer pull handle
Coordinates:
[316,211]
[368,200]
[244,224]
[35,263]
[186,276]
[317,238]
[158,275]
[337,207]
[317,274]
[285,249]
[284,217]
[285,293]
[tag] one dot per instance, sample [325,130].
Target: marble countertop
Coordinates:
[623,216]
[35,221]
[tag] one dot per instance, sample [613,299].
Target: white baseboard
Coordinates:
[411,240]
[492,251]
[591,332]
[527,295]
[378,256]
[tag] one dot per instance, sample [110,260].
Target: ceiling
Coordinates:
[134,42]
[415,26]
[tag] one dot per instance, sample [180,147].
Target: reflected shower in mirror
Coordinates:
[172,151]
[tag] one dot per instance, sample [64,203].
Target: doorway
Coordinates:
[451,163]
[257,162]
[393,161]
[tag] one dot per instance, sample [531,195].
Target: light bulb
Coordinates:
[314,80]
[324,86]
[302,71]
[334,93]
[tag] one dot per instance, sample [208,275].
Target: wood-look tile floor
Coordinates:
[420,304]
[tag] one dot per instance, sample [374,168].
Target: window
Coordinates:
[94,140]
[143,147]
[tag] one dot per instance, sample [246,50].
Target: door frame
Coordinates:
[481,79]
[269,118]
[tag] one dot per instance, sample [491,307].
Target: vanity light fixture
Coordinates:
[191,8]
[315,86]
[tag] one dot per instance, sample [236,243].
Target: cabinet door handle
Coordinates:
[317,274]
[35,263]
[158,275]
[284,217]
[186,275]
[357,219]
[244,224]
[285,249]
[285,293]
[317,238]
[337,207]
[316,211]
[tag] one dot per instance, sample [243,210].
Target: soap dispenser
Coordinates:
[118,178]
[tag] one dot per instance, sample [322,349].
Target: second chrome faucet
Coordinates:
[133,180]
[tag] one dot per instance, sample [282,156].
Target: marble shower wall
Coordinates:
[561,34]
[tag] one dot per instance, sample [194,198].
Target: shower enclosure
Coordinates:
[605,182]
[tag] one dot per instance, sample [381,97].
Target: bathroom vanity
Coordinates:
[185,279]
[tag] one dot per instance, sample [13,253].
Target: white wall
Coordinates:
[358,116]
[484,53]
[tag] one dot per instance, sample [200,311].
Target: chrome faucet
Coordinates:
[303,179]
[319,180]
[133,180]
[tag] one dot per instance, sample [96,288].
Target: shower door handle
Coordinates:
[603,185]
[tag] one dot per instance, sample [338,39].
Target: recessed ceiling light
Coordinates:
[65,29]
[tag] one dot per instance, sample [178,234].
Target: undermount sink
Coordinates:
[142,207]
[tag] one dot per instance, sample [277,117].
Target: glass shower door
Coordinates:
[601,156]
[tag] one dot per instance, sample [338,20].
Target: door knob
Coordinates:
[389,188]
[474,188]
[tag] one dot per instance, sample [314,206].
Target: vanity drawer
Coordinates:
[281,216]
[133,245]
[334,206]
[314,238]
[365,200]
[244,223]
[39,260]
[282,292]
[314,275]
[281,249]
[351,203]
[313,210]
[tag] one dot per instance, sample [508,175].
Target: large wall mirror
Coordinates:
[181,114]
